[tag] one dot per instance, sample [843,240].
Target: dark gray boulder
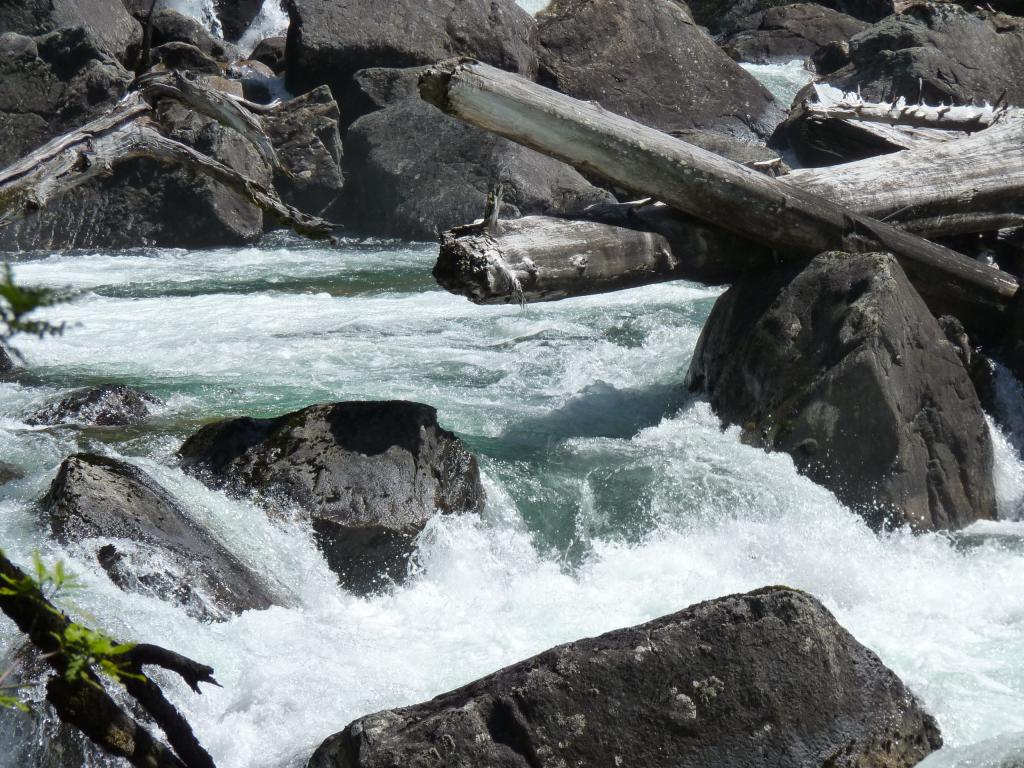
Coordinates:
[650,62]
[144,202]
[723,17]
[305,135]
[941,52]
[109,405]
[154,546]
[368,474]
[270,52]
[186,57]
[330,40]
[50,84]
[841,365]
[235,16]
[106,23]
[788,32]
[376,88]
[413,172]
[169,26]
[764,678]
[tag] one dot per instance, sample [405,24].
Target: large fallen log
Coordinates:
[796,223]
[131,130]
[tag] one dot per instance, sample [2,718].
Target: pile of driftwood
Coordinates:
[960,171]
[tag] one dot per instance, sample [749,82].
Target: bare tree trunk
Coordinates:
[798,224]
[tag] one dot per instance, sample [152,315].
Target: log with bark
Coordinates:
[795,223]
[132,129]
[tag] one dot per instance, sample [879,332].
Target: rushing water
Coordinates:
[613,496]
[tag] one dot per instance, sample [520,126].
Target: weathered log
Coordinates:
[713,189]
[131,130]
[541,258]
[834,103]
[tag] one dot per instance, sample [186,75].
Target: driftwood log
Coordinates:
[794,222]
[131,129]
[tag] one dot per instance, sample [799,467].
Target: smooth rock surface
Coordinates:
[330,40]
[369,475]
[652,63]
[841,365]
[109,405]
[145,541]
[413,172]
[767,678]
[271,52]
[939,52]
[169,26]
[788,32]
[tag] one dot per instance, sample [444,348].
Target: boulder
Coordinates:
[185,57]
[270,52]
[50,84]
[841,365]
[109,405]
[723,17]
[330,40]
[764,678]
[152,545]
[376,88]
[169,26]
[413,172]
[106,23]
[939,52]
[789,32]
[304,132]
[650,62]
[146,203]
[369,475]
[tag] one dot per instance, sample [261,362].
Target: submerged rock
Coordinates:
[767,678]
[153,546]
[939,52]
[841,365]
[330,40]
[368,474]
[109,405]
[652,63]
[788,32]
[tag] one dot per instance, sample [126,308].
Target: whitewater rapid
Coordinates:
[613,495]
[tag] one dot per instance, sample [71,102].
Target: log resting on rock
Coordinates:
[767,678]
[132,130]
[704,185]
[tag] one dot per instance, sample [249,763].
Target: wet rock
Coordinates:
[841,365]
[109,405]
[235,16]
[765,678]
[939,52]
[723,17]
[10,472]
[169,26]
[271,53]
[304,132]
[368,474]
[651,63]
[152,545]
[144,202]
[51,84]
[185,57]
[106,23]
[788,32]
[413,172]
[329,41]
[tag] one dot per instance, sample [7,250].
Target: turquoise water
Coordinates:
[613,496]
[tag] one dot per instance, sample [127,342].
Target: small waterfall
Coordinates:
[271,21]
[202,11]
